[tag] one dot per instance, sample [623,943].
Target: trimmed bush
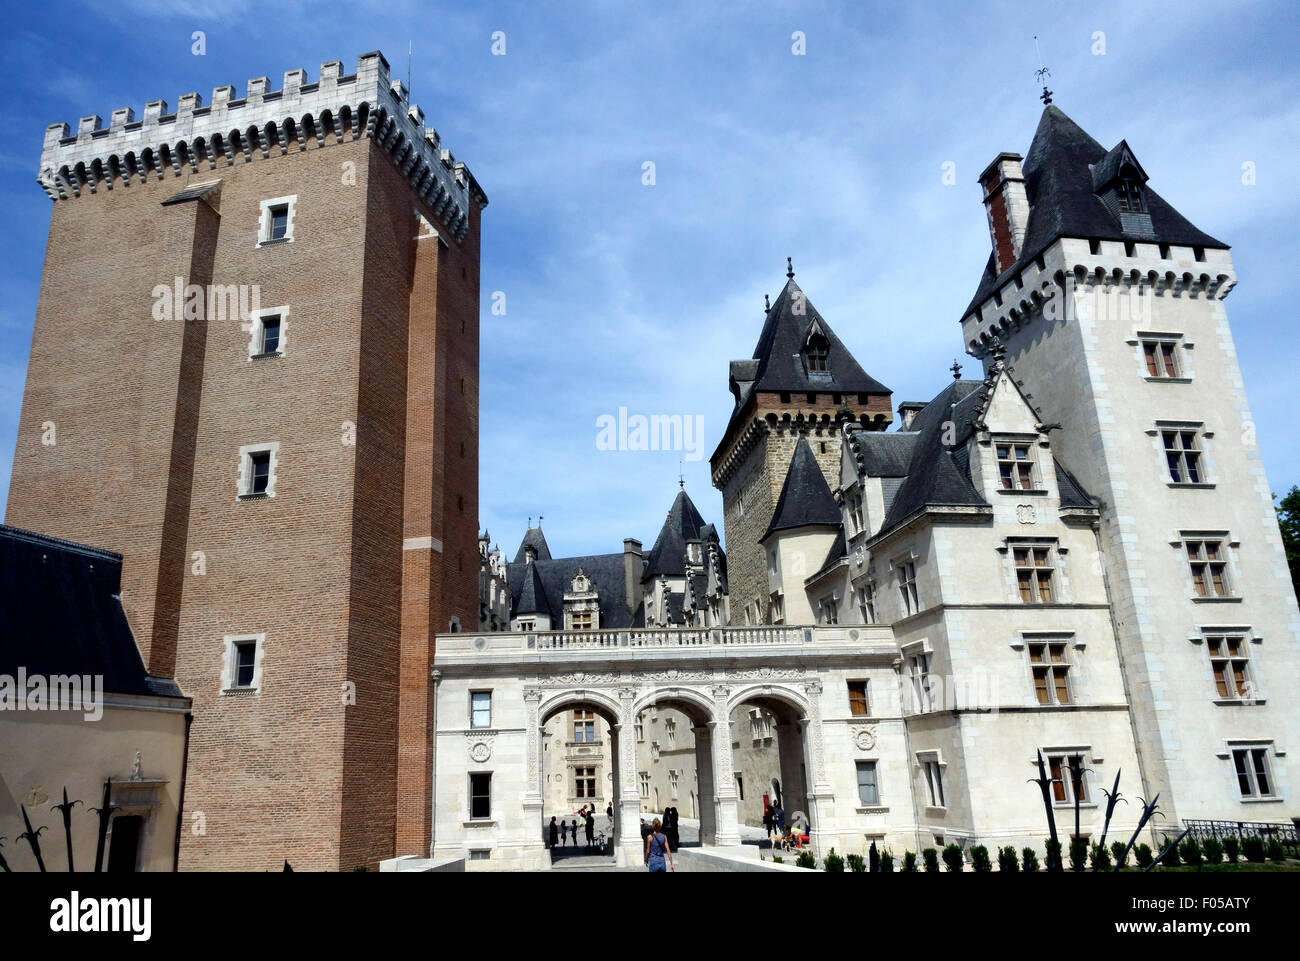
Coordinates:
[1117,855]
[1231,848]
[1099,858]
[979,859]
[1030,860]
[806,860]
[1053,853]
[909,862]
[1275,850]
[952,858]
[1191,852]
[834,864]
[777,859]
[931,858]
[1142,854]
[1212,850]
[886,862]
[1170,858]
[856,864]
[1078,853]
[1253,849]
[1008,860]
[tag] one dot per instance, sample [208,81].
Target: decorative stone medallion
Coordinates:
[864,737]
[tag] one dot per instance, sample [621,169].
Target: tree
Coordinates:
[1288,519]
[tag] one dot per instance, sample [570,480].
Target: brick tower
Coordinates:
[254,373]
[801,382]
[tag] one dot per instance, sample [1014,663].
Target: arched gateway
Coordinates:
[496,691]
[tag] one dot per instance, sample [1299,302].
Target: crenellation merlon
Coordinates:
[335,108]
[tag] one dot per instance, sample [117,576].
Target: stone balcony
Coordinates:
[662,647]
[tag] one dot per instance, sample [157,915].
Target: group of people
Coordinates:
[796,836]
[773,818]
[559,832]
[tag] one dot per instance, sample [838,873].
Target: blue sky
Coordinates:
[620,294]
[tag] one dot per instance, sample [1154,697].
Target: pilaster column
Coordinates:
[627,806]
[821,797]
[533,805]
[724,772]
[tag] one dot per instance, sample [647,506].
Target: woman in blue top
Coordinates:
[656,849]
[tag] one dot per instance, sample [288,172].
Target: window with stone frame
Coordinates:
[584,782]
[868,790]
[640,730]
[1129,191]
[918,669]
[933,773]
[1253,770]
[1035,572]
[1182,455]
[644,778]
[859,704]
[857,518]
[909,598]
[830,610]
[816,351]
[582,621]
[670,731]
[1161,357]
[480,709]
[276,221]
[1049,666]
[1230,661]
[1063,787]
[1016,465]
[1208,561]
[257,470]
[480,795]
[778,608]
[673,779]
[584,727]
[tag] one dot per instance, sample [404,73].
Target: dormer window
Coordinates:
[816,353]
[1129,191]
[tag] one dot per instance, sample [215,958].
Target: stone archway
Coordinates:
[697,710]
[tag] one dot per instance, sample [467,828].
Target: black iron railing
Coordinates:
[1284,833]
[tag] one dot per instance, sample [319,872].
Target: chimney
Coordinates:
[907,412]
[1007,205]
[632,573]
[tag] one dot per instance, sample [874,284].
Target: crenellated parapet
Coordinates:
[1072,272]
[263,124]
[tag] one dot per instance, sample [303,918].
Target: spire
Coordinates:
[789,268]
[806,499]
[1042,73]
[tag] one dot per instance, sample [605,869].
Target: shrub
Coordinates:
[1053,853]
[1099,858]
[1142,854]
[1275,850]
[1231,848]
[886,862]
[777,859]
[931,858]
[1008,860]
[1253,849]
[834,864]
[1191,852]
[909,862]
[1078,853]
[979,859]
[1118,853]
[1170,858]
[856,864]
[1030,860]
[806,860]
[1213,851]
[952,857]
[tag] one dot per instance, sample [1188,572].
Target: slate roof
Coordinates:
[1063,202]
[806,499]
[684,523]
[531,598]
[537,540]
[837,553]
[936,475]
[778,364]
[61,613]
[555,577]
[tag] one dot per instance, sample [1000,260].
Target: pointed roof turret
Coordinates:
[1065,172]
[537,541]
[806,499]
[684,523]
[532,596]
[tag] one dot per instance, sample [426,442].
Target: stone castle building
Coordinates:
[254,374]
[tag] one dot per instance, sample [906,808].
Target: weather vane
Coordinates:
[1042,73]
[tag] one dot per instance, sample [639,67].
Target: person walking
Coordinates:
[590,824]
[575,832]
[656,850]
[674,831]
[767,819]
[564,832]
[554,835]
